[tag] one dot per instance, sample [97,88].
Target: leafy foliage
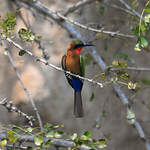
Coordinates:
[142,31]
[86,139]
[26,35]
[44,139]
[8,24]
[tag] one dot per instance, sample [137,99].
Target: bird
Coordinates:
[74,63]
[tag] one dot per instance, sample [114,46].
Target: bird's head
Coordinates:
[77,45]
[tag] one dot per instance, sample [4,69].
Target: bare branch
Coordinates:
[77,6]
[131,68]
[58,17]
[10,107]
[119,8]
[117,33]
[26,90]
[22,83]
[131,9]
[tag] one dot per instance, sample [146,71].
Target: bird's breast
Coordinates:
[73,64]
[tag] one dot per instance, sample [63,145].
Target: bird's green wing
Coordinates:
[82,65]
[63,62]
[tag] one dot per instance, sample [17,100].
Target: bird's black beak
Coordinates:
[87,44]
[83,45]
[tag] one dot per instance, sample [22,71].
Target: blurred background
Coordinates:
[105,114]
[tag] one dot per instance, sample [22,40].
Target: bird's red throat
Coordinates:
[78,50]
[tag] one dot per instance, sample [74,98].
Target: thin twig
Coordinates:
[47,12]
[24,86]
[131,9]
[10,107]
[77,6]
[58,17]
[26,90]
[120,8]
[131,68]
[49,64]
[93,29]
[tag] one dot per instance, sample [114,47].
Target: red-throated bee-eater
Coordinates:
[74,63]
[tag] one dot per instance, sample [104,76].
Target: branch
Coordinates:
[77,6]
[47,12]
[46,63]
[56,16]
[131,68]
[54,141]
[117,33]
[131,9]
[120,8]
[10,107]
[23,85]
[44,52]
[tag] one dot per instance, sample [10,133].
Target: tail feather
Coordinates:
[78,107]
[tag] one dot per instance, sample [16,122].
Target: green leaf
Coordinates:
[58,134]
[47,144]
[29,148]
[22,52]
[92,96]
[133,86]
[3,143]
[86,136]
[137,47]
[101,143]
[38,140]
[143,42]
[115,64]
[146,81]
[26,35]
[9,24]
[147,9]
[15,129]
[73,137]
[87,133]
[47,127]
[147,18]
[143,27]
[122,74]
[12,137]
[29,130]
[50,134]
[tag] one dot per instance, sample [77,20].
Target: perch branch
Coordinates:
[47,63]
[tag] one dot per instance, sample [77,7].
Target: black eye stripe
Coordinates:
[78,46]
